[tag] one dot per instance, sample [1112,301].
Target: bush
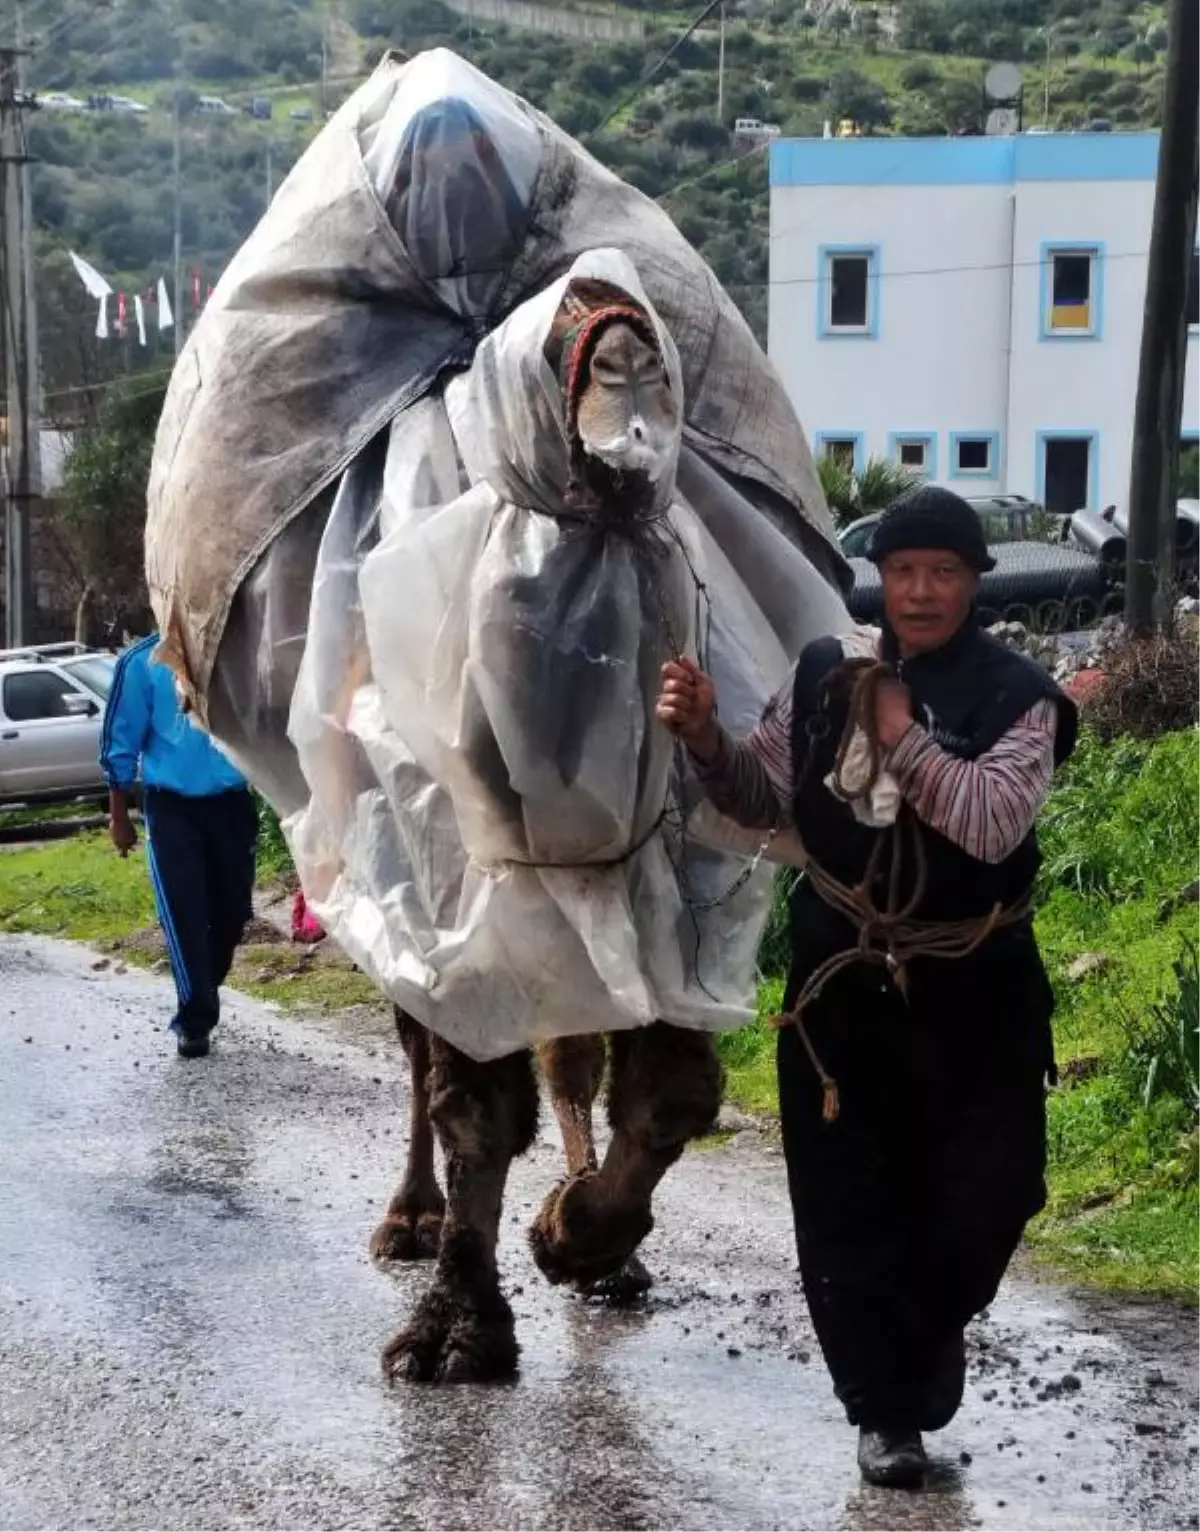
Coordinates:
[918,74]
[1149,689]
[274,858]
[1163,1052]
[775,950]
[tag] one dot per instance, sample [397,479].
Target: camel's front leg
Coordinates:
[573,1068]
[484,1114]
[412,1226]
[665,1090]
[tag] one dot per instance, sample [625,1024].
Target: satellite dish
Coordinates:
[1002,122]
[1002,82]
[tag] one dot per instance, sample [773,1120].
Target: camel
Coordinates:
[309,446]
[665,1082]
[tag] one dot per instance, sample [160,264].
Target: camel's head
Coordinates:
[622,417]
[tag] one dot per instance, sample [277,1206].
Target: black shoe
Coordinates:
[195,1046]
[893,1459]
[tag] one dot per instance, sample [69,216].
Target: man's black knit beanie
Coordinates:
[930,517]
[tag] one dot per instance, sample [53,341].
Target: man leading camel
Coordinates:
[916,1038]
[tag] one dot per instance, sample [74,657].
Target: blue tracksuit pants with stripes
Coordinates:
[201,854]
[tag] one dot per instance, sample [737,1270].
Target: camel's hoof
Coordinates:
[623,1287]
[582,1238]
[409,1232]
[453,1339]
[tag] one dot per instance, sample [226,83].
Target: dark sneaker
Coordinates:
[893,1459]
[195,1046]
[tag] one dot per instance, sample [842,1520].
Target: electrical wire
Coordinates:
[635,91]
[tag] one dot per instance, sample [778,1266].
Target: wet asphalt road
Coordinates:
[190,1328]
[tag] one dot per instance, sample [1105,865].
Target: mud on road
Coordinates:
[190,1327]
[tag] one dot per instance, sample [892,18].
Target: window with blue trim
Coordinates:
[1071,278]
[842,449]
[848,291]
[914,451]
[974,457]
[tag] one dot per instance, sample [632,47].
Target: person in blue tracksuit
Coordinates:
[201,832]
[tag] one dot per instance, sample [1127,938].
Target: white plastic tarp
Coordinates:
[356,560]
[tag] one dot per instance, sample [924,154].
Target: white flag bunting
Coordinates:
[97,287]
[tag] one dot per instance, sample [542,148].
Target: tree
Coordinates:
[853,96]
[838,22]
[101,512]
[1141,53]
[806,22]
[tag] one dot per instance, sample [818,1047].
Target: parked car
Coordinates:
[127,105]
[52,701]
[213,106]
[260,107]
[301,114]
[1005,518]
[1043,584]
[60,101]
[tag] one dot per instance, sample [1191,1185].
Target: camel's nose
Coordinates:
[639,432]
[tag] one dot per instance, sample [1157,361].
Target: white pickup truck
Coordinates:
[52,701]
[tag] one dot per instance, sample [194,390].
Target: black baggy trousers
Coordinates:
[201,855]
[909,1206]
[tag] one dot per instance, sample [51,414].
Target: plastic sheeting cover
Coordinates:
[429,206]
[447,692]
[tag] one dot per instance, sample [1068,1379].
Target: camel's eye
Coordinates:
[606,371]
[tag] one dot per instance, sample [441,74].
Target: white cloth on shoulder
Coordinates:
[878,807]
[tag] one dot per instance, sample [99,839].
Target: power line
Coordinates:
[738,159]
[636,91]
[944,271]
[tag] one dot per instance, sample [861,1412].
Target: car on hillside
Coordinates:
[52,701]
[60,101]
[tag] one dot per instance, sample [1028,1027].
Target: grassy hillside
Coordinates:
[102,184]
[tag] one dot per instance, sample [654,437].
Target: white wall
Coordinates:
[935,364]
[941,360]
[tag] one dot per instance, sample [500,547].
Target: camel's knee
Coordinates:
[666,1085]
[482,1112]
[573,1067]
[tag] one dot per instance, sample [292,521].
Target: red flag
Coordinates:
[195,287]
[120,313]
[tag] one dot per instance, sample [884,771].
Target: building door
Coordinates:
[1068,473]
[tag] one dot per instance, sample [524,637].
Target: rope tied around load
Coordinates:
[890,937]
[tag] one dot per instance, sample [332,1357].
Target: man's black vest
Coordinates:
[966,694]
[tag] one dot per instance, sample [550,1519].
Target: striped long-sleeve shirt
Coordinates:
[986,806]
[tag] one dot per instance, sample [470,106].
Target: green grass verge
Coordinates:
[77,888]
[80,889]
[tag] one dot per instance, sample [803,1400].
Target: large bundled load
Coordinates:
[369,590]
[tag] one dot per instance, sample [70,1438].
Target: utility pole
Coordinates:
[1154,470]
[178,185]
[721,72]
[23,477]
[1046,104]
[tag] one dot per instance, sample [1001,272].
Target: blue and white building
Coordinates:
[971,307]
